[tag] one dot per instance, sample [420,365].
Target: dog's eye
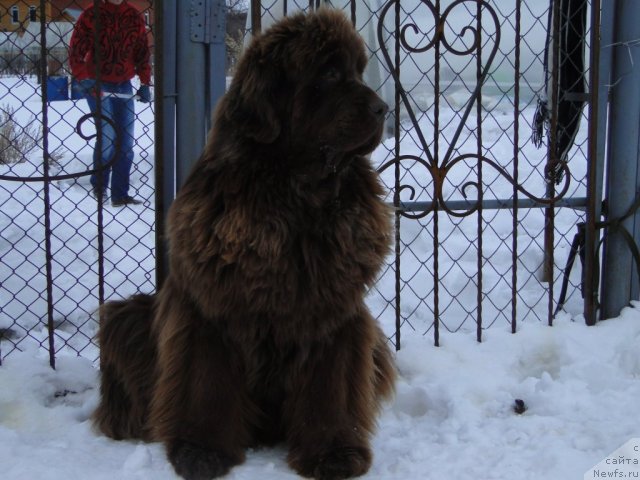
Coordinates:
[331,75]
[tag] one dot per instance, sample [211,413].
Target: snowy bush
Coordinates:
[18,142]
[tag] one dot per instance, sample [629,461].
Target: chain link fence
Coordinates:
[475,254]
[474,246]
[62,251]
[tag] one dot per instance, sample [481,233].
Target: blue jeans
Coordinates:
[122,113]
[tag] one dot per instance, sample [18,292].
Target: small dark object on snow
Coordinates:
[519,406]
[64,393]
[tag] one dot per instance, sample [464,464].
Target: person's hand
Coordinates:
[84,88]
[144,94]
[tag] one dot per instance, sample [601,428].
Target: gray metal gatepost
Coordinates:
[620,282]
[191,77]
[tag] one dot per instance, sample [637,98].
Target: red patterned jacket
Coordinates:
[123,46]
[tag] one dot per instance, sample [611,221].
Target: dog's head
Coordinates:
[299,85]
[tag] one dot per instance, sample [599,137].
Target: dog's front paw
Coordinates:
[344,462]
[193,462]
[335,464]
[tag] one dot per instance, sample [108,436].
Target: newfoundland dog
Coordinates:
[260,333]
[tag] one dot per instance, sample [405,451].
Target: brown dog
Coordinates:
[260,333]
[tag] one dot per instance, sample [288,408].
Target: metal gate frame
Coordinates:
[180,133]
[61,327]
[438,164]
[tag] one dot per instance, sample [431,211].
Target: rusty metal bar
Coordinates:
[549,237]
[436,156]
[591,270]
[98,148]
[396,194]
[46,185]
[256,17]
[479,219]
[578,203]
[516,164]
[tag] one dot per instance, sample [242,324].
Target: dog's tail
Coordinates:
[127,366]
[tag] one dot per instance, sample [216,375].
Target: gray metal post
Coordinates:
[165,108]
[217,57]
[190,111]
[190,81]
[623,171]
[199,34]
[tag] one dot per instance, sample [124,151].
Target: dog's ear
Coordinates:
[253,94]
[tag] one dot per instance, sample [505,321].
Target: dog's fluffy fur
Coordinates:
[260,333]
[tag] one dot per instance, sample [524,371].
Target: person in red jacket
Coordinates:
[108,48]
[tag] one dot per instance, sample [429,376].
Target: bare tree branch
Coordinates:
[237,6]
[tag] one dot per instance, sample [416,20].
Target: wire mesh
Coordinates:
[62,251]
[474,266]
[463,79]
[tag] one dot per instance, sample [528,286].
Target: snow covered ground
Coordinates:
[452,417]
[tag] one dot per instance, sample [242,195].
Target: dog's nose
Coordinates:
[379,107]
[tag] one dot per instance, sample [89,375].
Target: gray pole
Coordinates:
[200,40]
[190,81]
[190,110]
[620,284]
[165,102]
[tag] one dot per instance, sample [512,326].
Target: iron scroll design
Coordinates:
[439,170]
[79,130]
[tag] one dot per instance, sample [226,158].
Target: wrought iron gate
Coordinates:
[483,227]
[482,233]
[62,251]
